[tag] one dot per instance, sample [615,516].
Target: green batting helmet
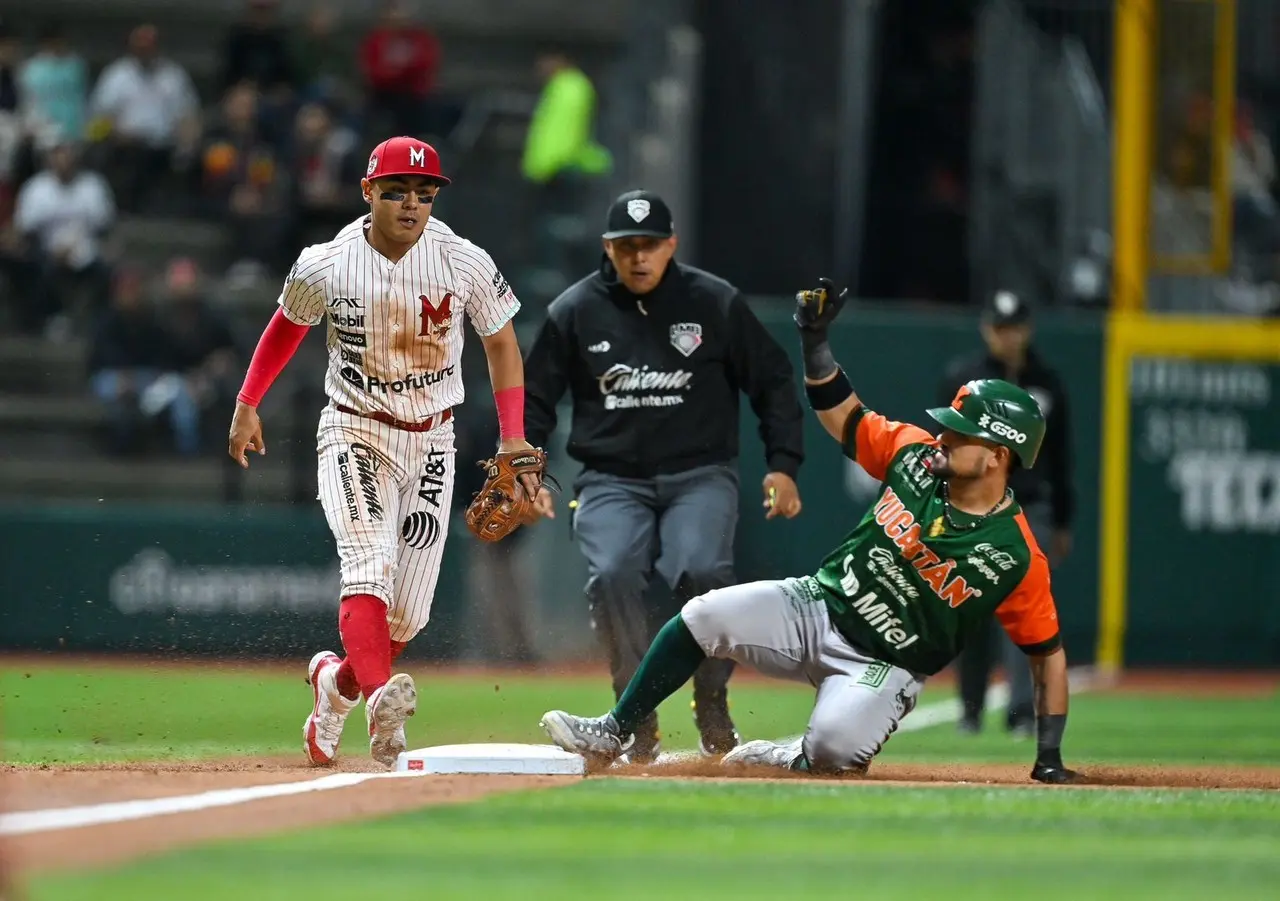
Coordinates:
[997,411]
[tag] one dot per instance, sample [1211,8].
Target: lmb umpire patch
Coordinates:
[686,337]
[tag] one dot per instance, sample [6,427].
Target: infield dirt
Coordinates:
[43,787]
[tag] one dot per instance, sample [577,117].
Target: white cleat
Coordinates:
[385,712]
[323,728]
[765,753]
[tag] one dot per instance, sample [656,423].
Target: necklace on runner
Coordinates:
[946,509]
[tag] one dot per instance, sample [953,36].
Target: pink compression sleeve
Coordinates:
[510,403]
[278,344]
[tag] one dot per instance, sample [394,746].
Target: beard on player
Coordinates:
[967,459]
[399,206]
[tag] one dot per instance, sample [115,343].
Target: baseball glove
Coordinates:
[502,505]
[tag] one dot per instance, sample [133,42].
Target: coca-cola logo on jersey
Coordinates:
[411,382]
[627,387]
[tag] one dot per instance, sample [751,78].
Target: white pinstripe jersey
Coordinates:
[395,329]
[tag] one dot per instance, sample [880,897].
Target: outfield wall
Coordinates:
[1204,508]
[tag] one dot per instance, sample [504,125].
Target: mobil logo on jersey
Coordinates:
[346,320]
[900,527]
[348,313]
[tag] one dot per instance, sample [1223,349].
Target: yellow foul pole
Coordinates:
[1133,129]
[1132,154]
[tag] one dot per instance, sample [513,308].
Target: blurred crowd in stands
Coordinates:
[273,155]
[271,148]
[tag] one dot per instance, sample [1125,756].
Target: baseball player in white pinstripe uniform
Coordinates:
[394,287]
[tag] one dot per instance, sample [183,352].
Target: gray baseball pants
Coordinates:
[679,526]
[779,629]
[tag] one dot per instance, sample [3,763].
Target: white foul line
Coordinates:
[27,822]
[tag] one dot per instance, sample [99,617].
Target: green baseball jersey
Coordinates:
[908,586]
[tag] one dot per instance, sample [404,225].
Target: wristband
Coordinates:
[510,404]
[830,394]
[816,352]
[1049,730]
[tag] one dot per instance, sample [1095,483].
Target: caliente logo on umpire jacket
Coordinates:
[627,387]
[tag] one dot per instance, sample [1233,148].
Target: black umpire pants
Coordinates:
[680,526]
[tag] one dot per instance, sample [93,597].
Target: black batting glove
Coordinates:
[817,308]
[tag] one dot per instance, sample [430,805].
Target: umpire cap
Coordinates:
[996,411]
[639,214]
[405,156]
[1006,308]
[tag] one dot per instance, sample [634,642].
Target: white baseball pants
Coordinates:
[386,494]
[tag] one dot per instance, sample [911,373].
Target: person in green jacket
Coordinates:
[560,135]
[561,161]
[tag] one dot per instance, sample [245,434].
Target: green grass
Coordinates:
[1125,729]
[658,839]
[114,714]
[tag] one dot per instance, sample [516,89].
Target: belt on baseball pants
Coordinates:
[431,422]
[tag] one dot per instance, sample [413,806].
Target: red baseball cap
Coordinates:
[405,156]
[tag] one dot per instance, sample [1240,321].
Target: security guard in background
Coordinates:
[1046,494]
[654,354]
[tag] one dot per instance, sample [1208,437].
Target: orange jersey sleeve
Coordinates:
[872,441]
[1029,615]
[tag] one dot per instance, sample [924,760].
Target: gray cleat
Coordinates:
[765,753]
[597,737]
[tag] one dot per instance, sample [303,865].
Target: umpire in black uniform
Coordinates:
[654,354]
[1046,494]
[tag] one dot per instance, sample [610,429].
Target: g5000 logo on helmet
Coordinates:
[1003,429]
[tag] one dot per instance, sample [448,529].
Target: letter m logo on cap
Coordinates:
[957,402]
[405,156]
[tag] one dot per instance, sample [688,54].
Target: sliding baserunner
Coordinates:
[943,548]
